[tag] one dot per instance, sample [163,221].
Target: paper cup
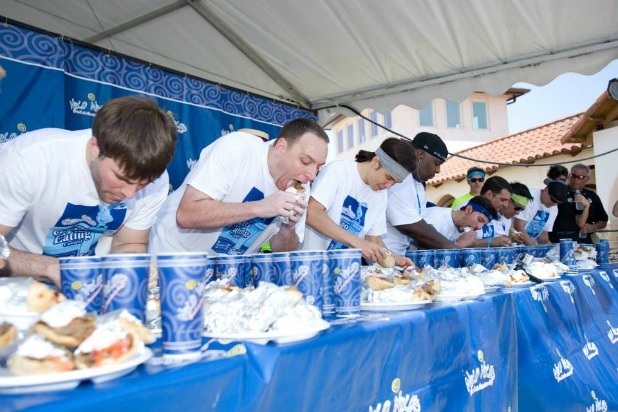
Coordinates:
[472,256]
[261,269]
[306,275]
[345,267]
[126,283]
[182,278]
[81,279]
[233,268]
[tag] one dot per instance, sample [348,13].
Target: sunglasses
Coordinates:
[519,208]
[477,180]
[574,176]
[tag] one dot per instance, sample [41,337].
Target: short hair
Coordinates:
[496,184]
[137,134]
[555,171]
[580,166]
[293,130]
[399,150]
[486,203]
[521,190]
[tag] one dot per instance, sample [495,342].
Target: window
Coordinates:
[479,115]
[374,127]
[350,136]
[361,130]
[425,116]
[453,117]
[388,120]
[340,141]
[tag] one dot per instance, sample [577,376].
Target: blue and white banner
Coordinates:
[52,82]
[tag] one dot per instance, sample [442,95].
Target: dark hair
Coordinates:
[486,203]
[496,184]
[135,133]
[399,150]
[555,171]
[521,190]
[294,129]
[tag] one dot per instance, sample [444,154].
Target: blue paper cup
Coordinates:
[210,274]
[345,267]
[281,268]
[306,275]
[602,249]
[328,294]
[261,268]
[472,256]
[502,254]
[182,280]
[567,253]
[489,257]
[126,283]
[421,258]
[81,279]
[446,257]
[233,268]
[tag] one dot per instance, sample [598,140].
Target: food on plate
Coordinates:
[294,293]
[427,291]
[519,276]
[65,324]
[130,323]
[20,295]
[379,283]
[109,344]
[8,333]
[542,270]
[38,356]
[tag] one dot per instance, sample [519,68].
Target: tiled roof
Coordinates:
[523,147]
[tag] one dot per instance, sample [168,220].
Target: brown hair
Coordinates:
[399,150]
[137,134]
[294,129]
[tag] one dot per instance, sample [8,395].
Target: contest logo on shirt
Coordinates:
[79,229]
[352,219]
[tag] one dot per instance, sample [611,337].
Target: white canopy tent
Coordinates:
[362,53]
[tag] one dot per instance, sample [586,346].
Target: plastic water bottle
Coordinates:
[578,205]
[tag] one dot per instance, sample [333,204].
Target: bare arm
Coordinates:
[319,221]
[520,226]
[427,235]
[22,263]
[197,210]
[497,241]
[543,238]
[615,209]
[127,240]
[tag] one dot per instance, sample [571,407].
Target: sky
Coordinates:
[566,95]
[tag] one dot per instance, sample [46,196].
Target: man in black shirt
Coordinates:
[571,222]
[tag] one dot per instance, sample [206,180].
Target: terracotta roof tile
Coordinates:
[523,147]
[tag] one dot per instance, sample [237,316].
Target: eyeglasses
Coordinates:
[477,180]
[580,177]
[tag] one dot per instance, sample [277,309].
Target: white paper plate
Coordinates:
[21,320]
[10,384]
[388,307]
[263,338]
[441,298]
[520,285]
[489,289]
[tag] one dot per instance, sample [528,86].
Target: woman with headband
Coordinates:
[347,208]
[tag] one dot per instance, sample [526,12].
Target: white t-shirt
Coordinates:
[538,216]
[49,196]
[442,219]
[406,205]
[349,202]
[233,169]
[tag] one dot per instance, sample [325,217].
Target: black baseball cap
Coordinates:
[558,191]
[432,144]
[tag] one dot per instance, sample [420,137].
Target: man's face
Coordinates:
[475,182]
[547,199]
[475,220]
[109,179]
[427,166]
[299,161]
[500,201]
[513,209]
[578,179]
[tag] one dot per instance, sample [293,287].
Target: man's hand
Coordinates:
[466,239]
[371,250]
[587,228]
[283,204]
[500,241]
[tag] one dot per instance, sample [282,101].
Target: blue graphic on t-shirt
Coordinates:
[537,224]
[235,239]
[352,219]
[487,231]
[79,229]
